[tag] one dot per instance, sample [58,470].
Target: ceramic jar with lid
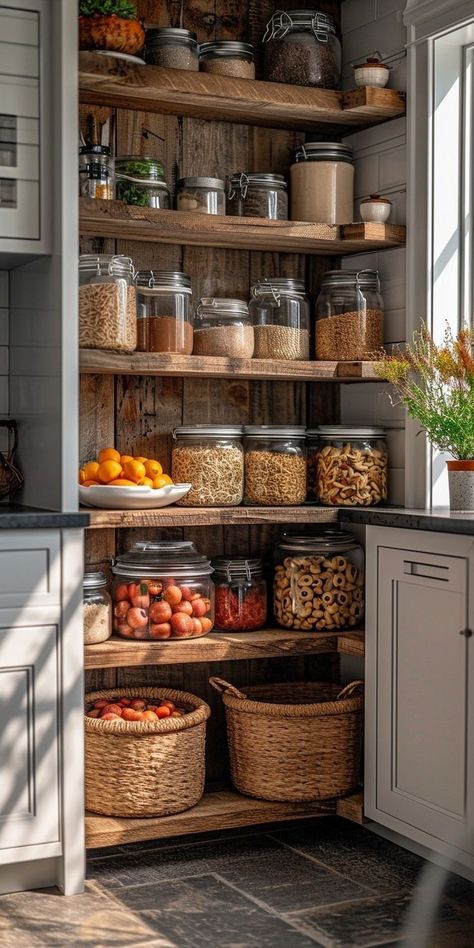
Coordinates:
[275,465]
[375,209]
[222,327]
[322,183]
[241,594]
[280,313]
[257,195]
[164,311]
[96,172]
[211,459]
[172,48]
[349,316]
[201,195]
[372,73]
[302,49]
[107,303]
[97,606]
[227,58]
[349,465]
[140,180]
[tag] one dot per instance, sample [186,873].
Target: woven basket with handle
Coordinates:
[146,768]
[11,479]
[294,742]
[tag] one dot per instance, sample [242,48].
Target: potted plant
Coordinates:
[436,384]
[110,25]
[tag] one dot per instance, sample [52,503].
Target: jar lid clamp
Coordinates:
[282,22]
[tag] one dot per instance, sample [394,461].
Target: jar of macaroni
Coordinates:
[349,466]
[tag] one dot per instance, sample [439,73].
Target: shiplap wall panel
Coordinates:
[4,338]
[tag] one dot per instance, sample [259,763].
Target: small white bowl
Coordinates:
[132,498]
[375,209]
[371,74]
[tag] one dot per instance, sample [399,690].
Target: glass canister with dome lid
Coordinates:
[349,316]
[302,49]
[280,313]
[348,465]
[318,581]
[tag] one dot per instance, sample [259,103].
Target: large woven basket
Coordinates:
[296,741]
[146,768]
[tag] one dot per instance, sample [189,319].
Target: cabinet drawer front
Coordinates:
[19,26]
[30,568]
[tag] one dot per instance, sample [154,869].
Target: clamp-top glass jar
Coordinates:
[348,465]
[97,606]
[222,327]
[241,594]
[96,172]
[349,314]
[257,195]
[201,195]
[279,308]
[164,311]
[211,459]
[172,47]
[227,58]
[107,303]
[322,183]
[275,465]
[141,181]
[302,49]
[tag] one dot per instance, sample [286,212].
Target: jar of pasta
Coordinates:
[107,303]
[319,581]
[280,313]
[164,311]
[241,594]
[349,316]
[275,465]
[211,459]
[257,195]
[349,466]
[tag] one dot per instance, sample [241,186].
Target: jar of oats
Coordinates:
[211,459]
[279,308]
[349,466]
[222,327]
[107,303]
[227,58]
[275,465]
[349,316]
[97,606]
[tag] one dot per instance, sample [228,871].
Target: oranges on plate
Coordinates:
[114,469]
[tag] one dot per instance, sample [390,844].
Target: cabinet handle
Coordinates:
[467,633]
[426,570]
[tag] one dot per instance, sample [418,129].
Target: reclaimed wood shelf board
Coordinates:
[351,643]
[103,81]
[352,807]
[114,219]
[209,516]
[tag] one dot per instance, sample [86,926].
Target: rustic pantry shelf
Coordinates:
[209,516]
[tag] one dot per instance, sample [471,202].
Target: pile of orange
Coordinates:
[123,470]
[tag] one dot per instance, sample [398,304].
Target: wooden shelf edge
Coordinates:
[351,643]
[207,516]
[352,807]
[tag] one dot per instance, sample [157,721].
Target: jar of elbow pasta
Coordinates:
[319,581]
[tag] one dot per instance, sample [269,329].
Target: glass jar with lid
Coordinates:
[241,594]
[257,195]
[140,180]
[318,581]
[350,465]
[96,172]
[162,591]
[211,459]
[164,311]
[201,195]
[222,327]
[279,308]
[227,58]
[172,48]
[275,465]
[302,49]
[97,606]
[322,183]
[349,316]
[107,303]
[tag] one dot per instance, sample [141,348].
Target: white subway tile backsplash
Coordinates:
[4,320]
[3,287]
[35,325]
[392,168]
[4,408]
[34,395]
[3,360]
[30,360]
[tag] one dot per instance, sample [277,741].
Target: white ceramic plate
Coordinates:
[132,498]
[127,58]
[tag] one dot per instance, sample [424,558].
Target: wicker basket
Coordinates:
[146,768]
[305,747]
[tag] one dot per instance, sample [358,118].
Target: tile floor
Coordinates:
[324,883]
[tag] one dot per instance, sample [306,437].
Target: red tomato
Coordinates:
[173,595]
[154,588]
[160,611]
[163,712]
[125,631]
[199,608]
[137,618]
[184,607]
[161,630]
[121,609]
[197,627]
[181,624]
[110,716]
[138,704]
[129,714]
[186,592]
[206,624]
[100,703]
[121,592]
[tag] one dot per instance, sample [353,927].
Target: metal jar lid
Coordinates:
[170,36]
[339,432]
[237,567]
[215,306]
[129,168]
[95,150]
[215,184]
[243,180]
[274,432]
[173,279]
[177,557]
[217,432]
[362,279]
[283,22]
[228,49]
[106,264]
[323,151]
[278,286]
[94,579]
[323,542]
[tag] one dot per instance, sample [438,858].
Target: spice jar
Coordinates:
[140,181]
[302,49]
[241,594]
[97,606]
[172,48]
[201,195]
[319,581]
[349,465]
[322,183]
[275,465]
[96,172]
[222,327]
[227,58]
[349,314]
[164,311]
[257,195]
[279,308]
[211,459]
[163,591]
[107,303]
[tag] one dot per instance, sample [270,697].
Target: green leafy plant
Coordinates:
[131,192]
[122,8]
[436,384]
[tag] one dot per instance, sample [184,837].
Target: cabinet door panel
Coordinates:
[30,568]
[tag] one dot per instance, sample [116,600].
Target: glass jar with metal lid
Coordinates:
[241,594]
[172,48]
[228,58]
[107,303]
[279,308]
[349,465]
[211,459]
[164,311]
[318,581]
[140,180]
[222,327]
[322,183]
[97,606]
[302,49]
[275,465]
[201,195]
[96,172]
[257,195]
[163,591]
[349,316]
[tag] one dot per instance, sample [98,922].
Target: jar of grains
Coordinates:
[141,181]
[96,172]
[322,183]
[211,459]
[227,58]
[223,328]
[107,303]
[279,308]
[241,594]
[350,465]
[172,47]
[319,581]
[275,465]
[97,606]
[349,316]
[164,311]
[257,195]
[302,49]
[201,195]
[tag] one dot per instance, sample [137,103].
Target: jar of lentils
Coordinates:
[164,311]
[280,311]
[302,49]
[257,195]
[222,327]
[241,594]
[172,48]
[275,465]
[349,465]
[211,459]
[349,316]
[227,58]
[107,303]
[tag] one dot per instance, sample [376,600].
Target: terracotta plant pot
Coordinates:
[461,485]
[111,32]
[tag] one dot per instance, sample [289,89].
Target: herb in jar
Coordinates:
[140,181]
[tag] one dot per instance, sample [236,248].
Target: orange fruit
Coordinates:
[145,482]
[82,476]
[109,471]
[125,458]
[142,460]
[121,482]
[134,470]
[90,484]
[91,470]
[109,454]
[161,481]
[153,469]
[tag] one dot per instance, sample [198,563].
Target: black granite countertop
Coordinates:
[18,517]
[441,519]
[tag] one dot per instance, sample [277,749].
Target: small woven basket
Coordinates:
[11,479]
[294,742]
[145,768]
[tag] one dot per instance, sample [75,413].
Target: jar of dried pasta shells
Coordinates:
[349,466]
[318,581]
[211,459]
[275,465]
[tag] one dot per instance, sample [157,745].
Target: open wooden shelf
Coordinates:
[174,516]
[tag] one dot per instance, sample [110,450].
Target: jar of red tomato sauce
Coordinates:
[241,594]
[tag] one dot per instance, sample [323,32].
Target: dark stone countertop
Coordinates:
[18,517]
[440,520]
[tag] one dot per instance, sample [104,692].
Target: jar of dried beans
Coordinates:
[279,308]
[275,465]
[302,49]
[349,466]
[107,303]
[172,47]
[211,459]
[97,606]
[227,58]
[349,316]
[164,311]
[322,183]
[222,327]
[319,581]
[201,195]
[241,594]
[257,195]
